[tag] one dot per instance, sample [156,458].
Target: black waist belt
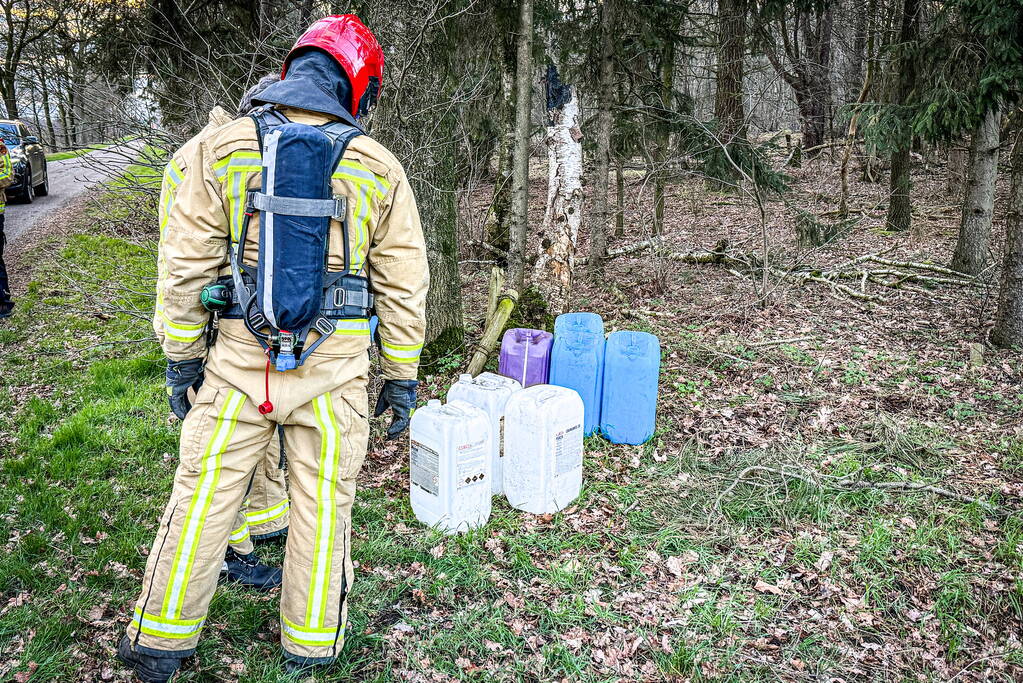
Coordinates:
[347,298]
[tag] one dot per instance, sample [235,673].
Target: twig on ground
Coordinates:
[779,342]
[847,483]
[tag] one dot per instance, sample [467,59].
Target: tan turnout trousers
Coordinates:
[223,440]
[264,512]
[322,405]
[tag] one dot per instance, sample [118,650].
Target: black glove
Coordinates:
[182,375]
[400,396]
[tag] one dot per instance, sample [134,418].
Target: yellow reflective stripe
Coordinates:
[269,514]
[6,169]
[232,170]
[358,327]
[240,534]
[178,332]
[359,173]
[312,636]
[209,476]
[162,627]
[326,511]
[401,353]
[368,184]
[172,178]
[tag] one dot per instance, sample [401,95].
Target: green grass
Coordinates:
[73,153]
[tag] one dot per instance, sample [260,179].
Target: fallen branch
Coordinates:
[848,484]
[889,277]
[779,342]
[492,331]
[497,251]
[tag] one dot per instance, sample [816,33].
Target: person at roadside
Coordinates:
[6,178]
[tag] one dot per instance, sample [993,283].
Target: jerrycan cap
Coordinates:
[465,377]
[433,403]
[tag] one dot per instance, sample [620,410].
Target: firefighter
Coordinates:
[6,178]
[230,222]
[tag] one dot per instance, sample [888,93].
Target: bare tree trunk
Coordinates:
[45,88]
[498,226]
[520,179]
[620,197]
[862,15]
[1008,330]
[900,206]
[729,108]
[868,74]
[7,83]
[663,144]
[601,171]
[971,254]
[560,232]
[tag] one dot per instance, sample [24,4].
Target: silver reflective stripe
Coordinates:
[313,637]
[183,629]
[270,164]
[298,206]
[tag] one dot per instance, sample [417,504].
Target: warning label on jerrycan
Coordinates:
[568,449]
[425,468]
[472,464]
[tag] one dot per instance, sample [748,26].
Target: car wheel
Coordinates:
[29,195]
[43,188]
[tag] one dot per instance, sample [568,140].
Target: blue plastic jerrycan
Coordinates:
[579,322]
[577,361]
[632,363]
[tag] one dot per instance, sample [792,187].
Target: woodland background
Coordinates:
[816,205]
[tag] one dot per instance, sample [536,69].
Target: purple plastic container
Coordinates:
[526,356]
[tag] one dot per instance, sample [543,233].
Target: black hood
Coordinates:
[314,82]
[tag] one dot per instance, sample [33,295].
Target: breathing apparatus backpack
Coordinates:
[290,291]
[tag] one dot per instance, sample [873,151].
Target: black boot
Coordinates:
[249,571]
[148,668]
[6,309]
[297,670]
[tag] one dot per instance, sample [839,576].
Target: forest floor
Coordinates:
[677,562]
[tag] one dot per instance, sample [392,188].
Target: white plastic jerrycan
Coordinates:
[489,393]
[449,468]
[543,448]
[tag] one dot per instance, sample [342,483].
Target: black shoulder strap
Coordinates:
[340,133]
[266,117]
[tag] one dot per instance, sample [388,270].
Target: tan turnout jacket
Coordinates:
[202,208]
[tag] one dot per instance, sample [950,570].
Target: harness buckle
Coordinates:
[340,296]
[324,326]
[339,207]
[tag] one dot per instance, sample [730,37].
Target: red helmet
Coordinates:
[345,38]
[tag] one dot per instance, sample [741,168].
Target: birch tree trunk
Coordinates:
[602,162]
[520,154]
[971,254]
[1008,330]
[559,236]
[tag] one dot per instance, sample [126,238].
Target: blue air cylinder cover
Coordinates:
[298,161]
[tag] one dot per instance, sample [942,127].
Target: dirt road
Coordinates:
[68,179]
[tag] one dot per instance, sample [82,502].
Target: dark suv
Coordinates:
[29,158]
